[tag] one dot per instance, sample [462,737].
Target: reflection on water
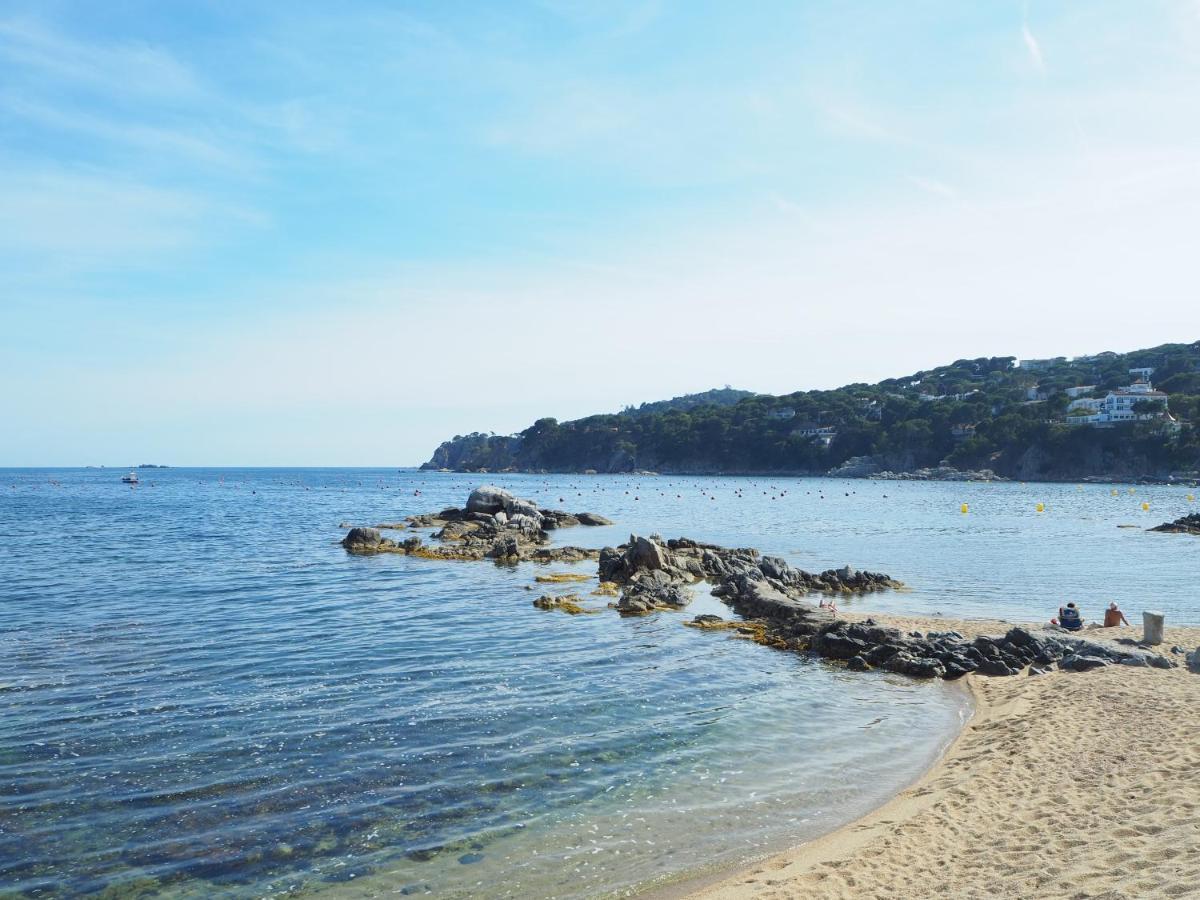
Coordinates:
[203,694]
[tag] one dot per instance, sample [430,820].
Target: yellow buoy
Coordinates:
[1132,491]
[1114,492]
[964,507]
[1041,507]
[1145,507]
[1191,498]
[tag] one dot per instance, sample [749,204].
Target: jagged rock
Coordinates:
[587,518]
[857,664]
[515,506]
[488,498]
[708,619]
[905,663]
[1186,525]
[1083,662]
[556,518]
[505,547]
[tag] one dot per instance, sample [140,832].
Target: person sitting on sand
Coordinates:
[1114,617]
[1069,618]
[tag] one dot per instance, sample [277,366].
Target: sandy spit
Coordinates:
[1079,785]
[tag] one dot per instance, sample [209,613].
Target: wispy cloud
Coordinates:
[933,186]
[128,69]
[1031,42]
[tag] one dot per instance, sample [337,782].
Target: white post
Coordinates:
[1152,623]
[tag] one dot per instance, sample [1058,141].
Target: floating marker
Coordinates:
[1191,498]
[1132,491]
[1114,493]
[1145,506]
[1041,507]
[965,508]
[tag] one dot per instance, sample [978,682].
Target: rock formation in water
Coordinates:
[493,525]
[773,596]
[1186,525]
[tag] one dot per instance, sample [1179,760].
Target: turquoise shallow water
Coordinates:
[204,695]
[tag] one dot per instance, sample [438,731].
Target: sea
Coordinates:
[204,695]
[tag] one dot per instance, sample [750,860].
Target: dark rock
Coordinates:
[505,547]
[362,538]
[556,518]
[1082,662]
[587,518]
[882,653]
[904,663]
[857,664]
[514,506]
[996,667]
[838,646]
[1186,525]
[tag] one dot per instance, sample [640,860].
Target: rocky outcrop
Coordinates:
[939,473]
[365,541]
[654,574]
[488,498]
[1186,525]
[866,645]
[587,518]
[514,531]
[488,504]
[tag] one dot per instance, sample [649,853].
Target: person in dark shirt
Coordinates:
[1069,618]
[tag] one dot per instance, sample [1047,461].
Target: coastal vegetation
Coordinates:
[987,413]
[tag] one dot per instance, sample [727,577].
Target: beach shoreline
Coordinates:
[993,816]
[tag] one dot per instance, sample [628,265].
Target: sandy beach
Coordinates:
[1061,785]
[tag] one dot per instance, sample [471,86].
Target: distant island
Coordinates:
[1106,416]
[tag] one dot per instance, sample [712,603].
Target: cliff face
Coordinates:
[477,451]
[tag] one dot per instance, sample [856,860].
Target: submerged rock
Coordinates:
[587,518]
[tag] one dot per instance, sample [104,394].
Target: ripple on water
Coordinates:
[203,692]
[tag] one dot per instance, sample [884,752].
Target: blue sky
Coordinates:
[314,233]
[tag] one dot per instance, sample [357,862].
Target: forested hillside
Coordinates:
[970,414]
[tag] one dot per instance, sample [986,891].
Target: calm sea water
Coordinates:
[203,695]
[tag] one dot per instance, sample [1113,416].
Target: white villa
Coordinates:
[823,433]
[1117,406]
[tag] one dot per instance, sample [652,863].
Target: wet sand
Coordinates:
[1081,785]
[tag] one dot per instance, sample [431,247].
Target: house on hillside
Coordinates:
[1142,374]
[822,433]
[1118,406]
[1079,390]
[1039,365]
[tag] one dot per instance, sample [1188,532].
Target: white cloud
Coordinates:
[1034,48]
[114,69]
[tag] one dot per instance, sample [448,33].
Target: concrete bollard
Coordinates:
[1152,623]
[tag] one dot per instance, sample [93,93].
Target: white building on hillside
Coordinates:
[1117,406]
[822,433]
